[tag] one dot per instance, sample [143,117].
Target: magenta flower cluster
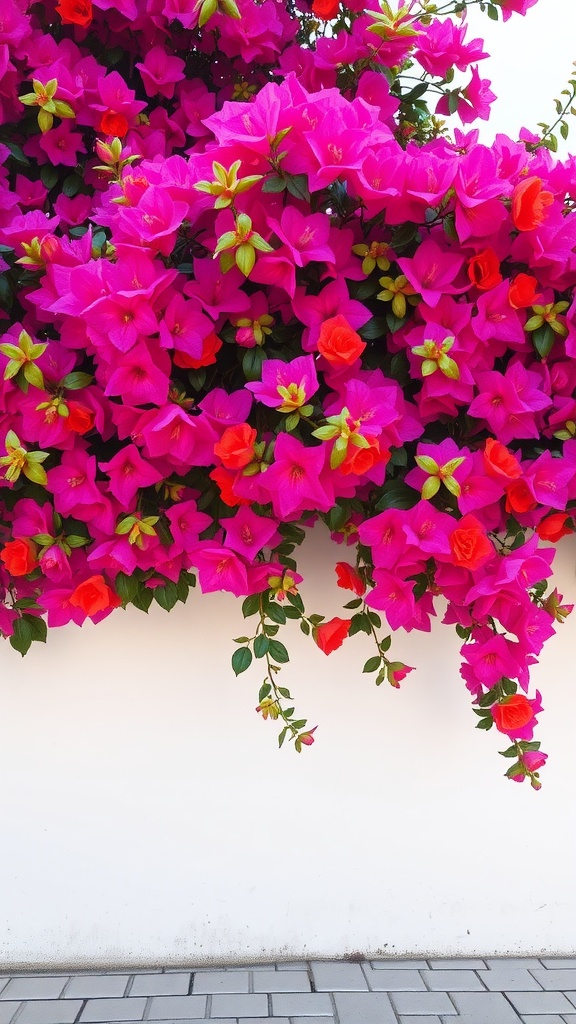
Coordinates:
[251,278]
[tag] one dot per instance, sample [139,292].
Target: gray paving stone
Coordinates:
[179,1007]
[294,965]
[3,983]
[301,1004]
[558,962]
[483,1008]
[296,1020]
[7,1011]
[511,979]
[424,1020]
[547,1018]
[399,965]
[281,981]
[456,964]
[88,986]
[540,1002]
[364,1008]
[220,981]
[239,1006]
[161,985]
[423,1003]
[277,1020]
[572,998]
[97,1010]
[49,1011]
[504,962]
[338,977]
[34,988]
[453,981]
[556,980]
[394,981]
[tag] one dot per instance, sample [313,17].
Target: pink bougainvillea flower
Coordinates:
[286,386]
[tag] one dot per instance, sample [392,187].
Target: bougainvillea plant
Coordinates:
[253,275]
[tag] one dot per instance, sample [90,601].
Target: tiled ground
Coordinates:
[478,991]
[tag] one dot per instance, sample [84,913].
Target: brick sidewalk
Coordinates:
[477,991]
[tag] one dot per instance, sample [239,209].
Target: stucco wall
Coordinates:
[147,815]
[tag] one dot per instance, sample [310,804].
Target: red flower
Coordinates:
[210,346]
[470,545]
[512,713]
[114,124]
[529,201]
[338,343]
[555,526]
[75,12]
[484,270]
[523,291]
[94,595]
[236,446]
[519,497]
[332,634]
[80,418]
[349,578]
[326,10]
[19,557]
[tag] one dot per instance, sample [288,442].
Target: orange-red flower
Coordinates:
[555,526]
[75,12]
[349,578]
[225,478]
[484,270]
[469,544]
[519,497]
[338,343]
[211,344]
[19,556]
[236,446]
[326,10]
[80,419]
[523,291]
[114,124]
[499,462]
[512,713]
[332,634]
[94,595]
[529,202]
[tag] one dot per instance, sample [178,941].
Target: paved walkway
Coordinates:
[487,991]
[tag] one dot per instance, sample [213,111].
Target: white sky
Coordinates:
[531,61]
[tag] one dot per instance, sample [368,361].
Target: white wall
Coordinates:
[148,817]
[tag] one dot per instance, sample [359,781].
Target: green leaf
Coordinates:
[282,736]
[509,752]
[166,596]
[241,660]
[143,599]
[263,692]
[49,176]
[353,604]
[415,93]
[76,380]
[359,624]
[485,723]
[76,542]
[252,363]
[261,644]
[396,494]
[386,644]
[492,12]
[305,627]
[462,631]
[276,613]
[543,340]
[297,185]
[21,638]
[337,517]
[374,619]
[71,185]
[126,587]
[373,664]
[274,184]
[37,627]
[564,130]
[251,605]
[374,329]
[17,154]
[278,652]
[197,378]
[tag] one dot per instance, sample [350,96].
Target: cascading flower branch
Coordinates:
[250,279]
